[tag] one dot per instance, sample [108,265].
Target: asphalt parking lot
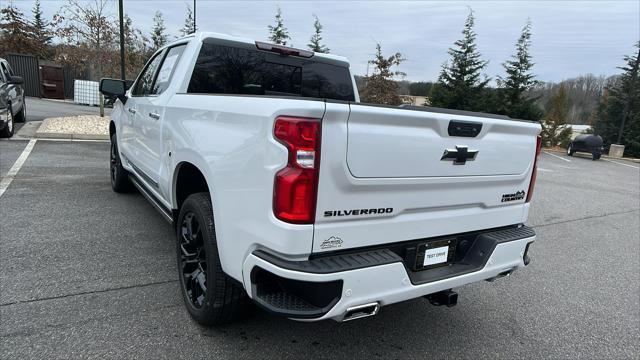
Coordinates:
[86,272]
[39,109]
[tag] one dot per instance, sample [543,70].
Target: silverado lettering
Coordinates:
[356,212]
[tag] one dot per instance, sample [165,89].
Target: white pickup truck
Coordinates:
[284,189]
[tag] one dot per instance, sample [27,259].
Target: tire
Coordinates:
[570,150]
[8,129]
[22,115]
[120,182]
[211,297]
[595,156]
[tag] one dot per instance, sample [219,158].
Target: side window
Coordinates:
[226,70]
[10,69]
[5,72]
[166,70]
[145,80]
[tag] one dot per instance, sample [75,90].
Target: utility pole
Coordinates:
[122,68]
[194,16]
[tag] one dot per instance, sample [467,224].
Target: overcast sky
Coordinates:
[569,37]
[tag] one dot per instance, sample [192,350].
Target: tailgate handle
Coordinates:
[464,128]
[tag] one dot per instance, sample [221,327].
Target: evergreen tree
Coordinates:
[41,32]
[314,43]
[158,36]
[380,87]
[460,84]
[519,80]
[617,118]
[279,34]
[16,33]
[554,125]
[189,27]
[136,48]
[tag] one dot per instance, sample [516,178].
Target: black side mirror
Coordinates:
[114,88]
[16,80]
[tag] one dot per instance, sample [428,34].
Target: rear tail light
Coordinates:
[296,186]
[534,174]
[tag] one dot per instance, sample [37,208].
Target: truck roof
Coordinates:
[201,35]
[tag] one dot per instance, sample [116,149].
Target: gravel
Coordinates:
[81,127]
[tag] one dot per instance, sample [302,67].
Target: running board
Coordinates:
[166,214]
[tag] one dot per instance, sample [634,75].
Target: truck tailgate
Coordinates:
[413,179]
[384,142]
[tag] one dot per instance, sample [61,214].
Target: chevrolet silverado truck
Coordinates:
[285,190]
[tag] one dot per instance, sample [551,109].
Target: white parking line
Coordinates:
[556,156]
[15,138]
[6,181]
[619,163]
[544,170]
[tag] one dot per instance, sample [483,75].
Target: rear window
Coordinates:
[230,70]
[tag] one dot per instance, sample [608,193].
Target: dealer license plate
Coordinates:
[435,253]
[436,256]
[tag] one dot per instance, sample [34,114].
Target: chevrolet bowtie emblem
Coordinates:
[460,155]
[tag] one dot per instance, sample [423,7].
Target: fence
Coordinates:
[70,75]
[27,66]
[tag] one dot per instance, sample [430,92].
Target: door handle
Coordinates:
[154,116]
[132,110]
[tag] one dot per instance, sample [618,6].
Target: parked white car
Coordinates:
[285,189]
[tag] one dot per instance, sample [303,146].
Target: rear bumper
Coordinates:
[387,283]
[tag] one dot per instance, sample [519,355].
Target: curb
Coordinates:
[69,136]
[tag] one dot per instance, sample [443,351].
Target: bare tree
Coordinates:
[87,26]
[583,94]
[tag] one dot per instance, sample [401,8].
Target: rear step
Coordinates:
[361,311]
[294,298]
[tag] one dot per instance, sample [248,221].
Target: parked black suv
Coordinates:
[12,100]
[586,143]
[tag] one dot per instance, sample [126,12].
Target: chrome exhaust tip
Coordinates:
[503,274]
[361,311]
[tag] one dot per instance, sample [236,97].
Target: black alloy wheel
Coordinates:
[119,176]
[114,160]
[193,260]
[211,296]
